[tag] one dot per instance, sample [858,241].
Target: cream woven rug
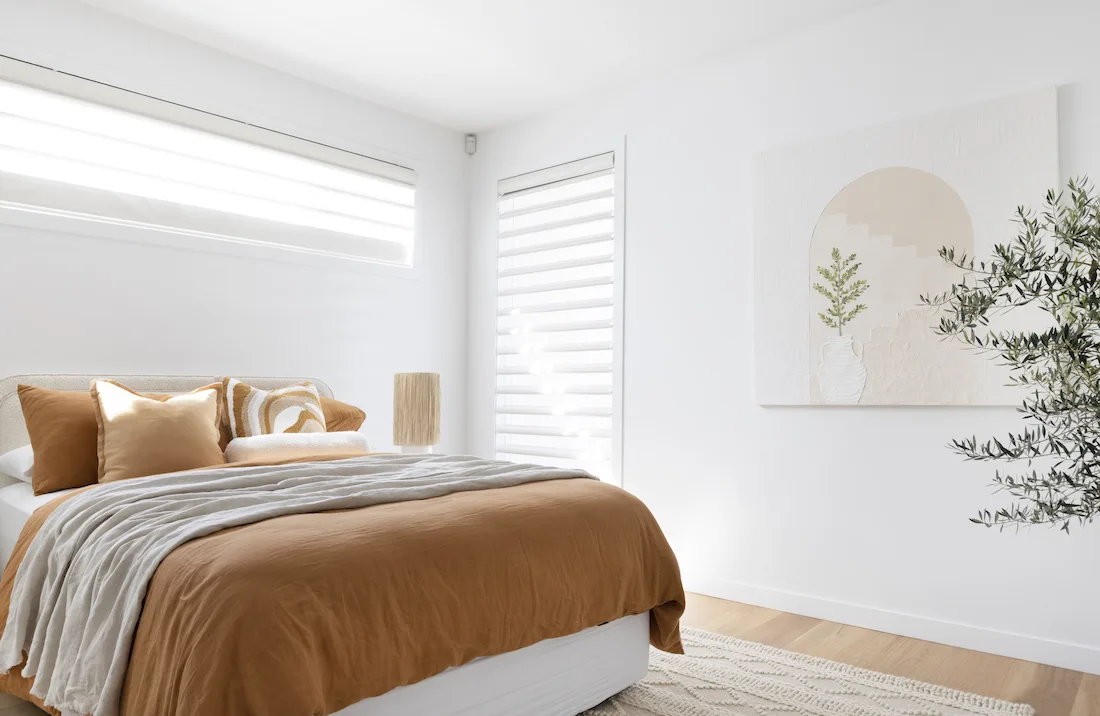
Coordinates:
[721,676]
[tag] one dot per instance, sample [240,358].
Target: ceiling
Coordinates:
[472,65]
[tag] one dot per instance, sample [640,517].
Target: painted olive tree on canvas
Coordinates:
[1052,265]
[841,291]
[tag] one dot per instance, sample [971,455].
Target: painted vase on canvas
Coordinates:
[841,374]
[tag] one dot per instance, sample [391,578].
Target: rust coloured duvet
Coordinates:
[304,615]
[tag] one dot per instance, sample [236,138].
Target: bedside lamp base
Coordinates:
[416,449]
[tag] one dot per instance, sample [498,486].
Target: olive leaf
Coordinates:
[1053,264]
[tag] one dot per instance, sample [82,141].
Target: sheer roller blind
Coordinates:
[556,316]
[81,150]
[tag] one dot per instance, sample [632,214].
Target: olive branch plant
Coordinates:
[1054,265]
[839,293]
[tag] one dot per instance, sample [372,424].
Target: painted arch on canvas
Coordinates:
[893,221]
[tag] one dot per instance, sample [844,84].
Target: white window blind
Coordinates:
[556,316]
[74,148]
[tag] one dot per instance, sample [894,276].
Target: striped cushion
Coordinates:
[293,409]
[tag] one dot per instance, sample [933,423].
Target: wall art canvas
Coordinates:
[847,234]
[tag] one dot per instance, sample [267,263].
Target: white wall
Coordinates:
[75,304]
[858,515]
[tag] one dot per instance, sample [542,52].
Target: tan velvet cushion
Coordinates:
[62,428]
[341,417]
[142,436]
[223,418]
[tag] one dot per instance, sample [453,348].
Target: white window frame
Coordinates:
[619,147]
[323,149]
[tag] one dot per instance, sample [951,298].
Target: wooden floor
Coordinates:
[1052,691]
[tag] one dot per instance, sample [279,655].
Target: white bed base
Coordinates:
[555,677]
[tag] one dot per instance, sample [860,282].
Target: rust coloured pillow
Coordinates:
[341,417]
[63,432]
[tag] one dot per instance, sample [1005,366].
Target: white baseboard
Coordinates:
[1078,657]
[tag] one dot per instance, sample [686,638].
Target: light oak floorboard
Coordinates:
[1052,691]
[1087,702]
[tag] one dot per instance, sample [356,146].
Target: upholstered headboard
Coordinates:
[13,432]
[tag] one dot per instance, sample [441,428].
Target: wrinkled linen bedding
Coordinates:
[303,588]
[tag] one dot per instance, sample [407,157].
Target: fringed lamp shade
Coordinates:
[416,409]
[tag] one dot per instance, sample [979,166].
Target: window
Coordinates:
[556,317]
[77,149]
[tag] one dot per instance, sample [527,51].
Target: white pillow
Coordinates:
[288,446]
[18,463]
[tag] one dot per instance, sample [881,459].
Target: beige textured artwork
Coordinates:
[847,235]
[894,220]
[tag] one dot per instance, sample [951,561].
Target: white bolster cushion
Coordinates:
[289,446]
[18,463]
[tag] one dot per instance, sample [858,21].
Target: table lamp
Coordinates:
[416,411]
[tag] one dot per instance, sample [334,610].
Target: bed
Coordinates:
[557,676]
